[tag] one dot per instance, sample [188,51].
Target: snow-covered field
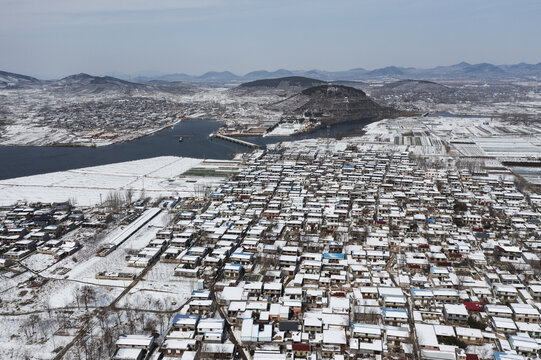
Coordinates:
[509,146]
[469,136]
[33,135]
[88,186]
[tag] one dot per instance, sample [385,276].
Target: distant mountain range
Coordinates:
[89,84]
[461,71]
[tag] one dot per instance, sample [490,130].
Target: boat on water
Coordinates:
[180,139]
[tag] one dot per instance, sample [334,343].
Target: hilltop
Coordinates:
[409,90]
[84,83]
[333,104]
[12,80]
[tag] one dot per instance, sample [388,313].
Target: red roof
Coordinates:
[301,347]
[472,357]
[474,305]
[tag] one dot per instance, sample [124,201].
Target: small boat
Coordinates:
[180,139]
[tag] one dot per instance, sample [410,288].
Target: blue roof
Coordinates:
[513,338]
[421,291]
[333,255]
[187,316]
[507,356]
[242,253]
[386,309]
[196,292]
[235,265]
[434,268]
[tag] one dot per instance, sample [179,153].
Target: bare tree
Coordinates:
[88,295]
[128,196]
[113,201]
[76,294]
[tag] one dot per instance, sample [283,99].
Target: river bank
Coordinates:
[20,161]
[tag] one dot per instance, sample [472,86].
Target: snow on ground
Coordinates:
[30,134]
[508,146]
[86,269]
[88,186]
[469,136]
[484,352]
[285,129]
[313,144]
[47,294]
[38,262]
[141,238]
[9,282]
[123,232]
[15,345]
[27,134]
[65,292]
[160,289]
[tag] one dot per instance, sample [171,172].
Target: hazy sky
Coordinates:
[53,38]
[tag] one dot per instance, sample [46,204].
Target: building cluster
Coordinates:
[98,118]
[60,229]
[112,117]
[311,254]
[26,229]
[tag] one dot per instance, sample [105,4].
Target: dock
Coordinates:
[235,140]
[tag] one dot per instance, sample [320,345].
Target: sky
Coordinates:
[55,38]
